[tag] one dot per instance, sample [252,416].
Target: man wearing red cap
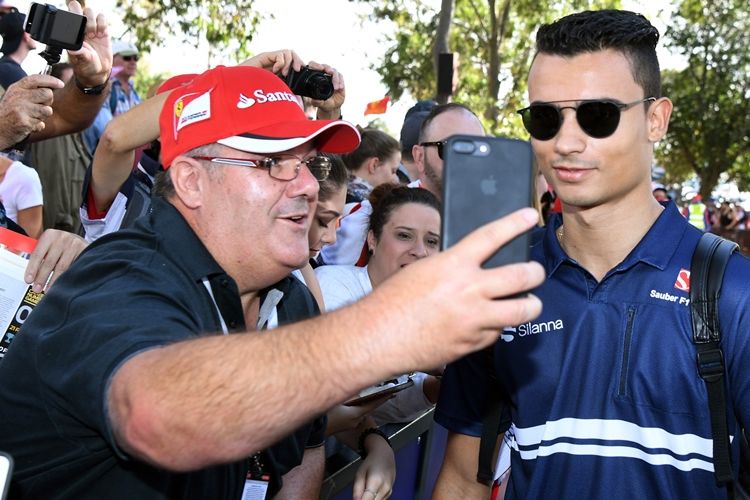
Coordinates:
[137,377]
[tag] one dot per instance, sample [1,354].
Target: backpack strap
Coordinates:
[491,420]
[706,275]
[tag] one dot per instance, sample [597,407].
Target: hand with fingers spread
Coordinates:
[25,106]
[330,109]
[54,253]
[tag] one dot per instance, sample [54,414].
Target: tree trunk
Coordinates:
[709,179]
[441,40]
[497,34]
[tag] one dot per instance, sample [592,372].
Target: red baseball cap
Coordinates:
[175,81]
[245,108]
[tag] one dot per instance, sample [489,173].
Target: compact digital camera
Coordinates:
[310,83]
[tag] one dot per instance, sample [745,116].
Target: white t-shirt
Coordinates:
[342,285]
[20,189]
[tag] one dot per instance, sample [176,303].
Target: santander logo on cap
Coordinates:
[245,102]
[261,96]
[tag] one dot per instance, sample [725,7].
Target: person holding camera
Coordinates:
[40,106]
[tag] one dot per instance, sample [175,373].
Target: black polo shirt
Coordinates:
[129,291]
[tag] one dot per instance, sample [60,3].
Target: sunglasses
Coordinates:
[130,58]
[438,144]
[599,118]
[283,167]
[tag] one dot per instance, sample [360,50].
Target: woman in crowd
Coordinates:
[350,424]
[404,227]
[21,195]
[373,163]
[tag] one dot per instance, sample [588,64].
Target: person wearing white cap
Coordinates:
[124,68]
[122,96]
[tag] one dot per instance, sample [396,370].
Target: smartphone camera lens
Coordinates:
[463,147]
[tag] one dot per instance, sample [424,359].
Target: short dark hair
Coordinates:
[163,185]
[593,30]
[336,180]
[439,110]
[389,196]
[375,144]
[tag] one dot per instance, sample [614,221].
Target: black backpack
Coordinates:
[706,275]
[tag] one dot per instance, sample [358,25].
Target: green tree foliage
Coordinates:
[228,24]
[146,81]
[494,40]
[710,127]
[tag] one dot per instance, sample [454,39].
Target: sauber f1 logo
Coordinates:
[683,280]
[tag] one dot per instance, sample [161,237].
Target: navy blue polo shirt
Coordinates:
[129,291]
[605,399]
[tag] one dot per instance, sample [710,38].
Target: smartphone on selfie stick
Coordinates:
[56,28]
[484,179]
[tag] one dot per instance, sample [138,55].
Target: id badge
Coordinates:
[255,489]
[256,480]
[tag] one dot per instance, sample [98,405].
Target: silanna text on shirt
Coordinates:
[532,329]
[666,296]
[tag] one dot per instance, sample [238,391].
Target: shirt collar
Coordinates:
[177,239]
[656,248]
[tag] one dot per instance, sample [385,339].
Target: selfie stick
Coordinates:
[52,55]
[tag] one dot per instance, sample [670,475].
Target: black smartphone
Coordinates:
[56,27]
[381,390]
[485,178]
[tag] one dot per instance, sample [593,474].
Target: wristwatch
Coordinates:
[91,90]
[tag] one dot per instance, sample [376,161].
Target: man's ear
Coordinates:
[188,179]
[658,119]
[417,152]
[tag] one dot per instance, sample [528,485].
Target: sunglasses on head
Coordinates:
[438,144]
[130,58]
[599,118]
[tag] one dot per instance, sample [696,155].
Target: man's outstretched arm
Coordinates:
[255,388]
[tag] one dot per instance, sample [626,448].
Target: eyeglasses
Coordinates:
[130,58]
[599,118]
[283,167]
[438,144]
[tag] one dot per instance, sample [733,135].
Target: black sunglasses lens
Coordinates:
[542,121]
[439,146]
[598,119]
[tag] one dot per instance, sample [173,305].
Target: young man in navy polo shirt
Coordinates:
[604,396]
